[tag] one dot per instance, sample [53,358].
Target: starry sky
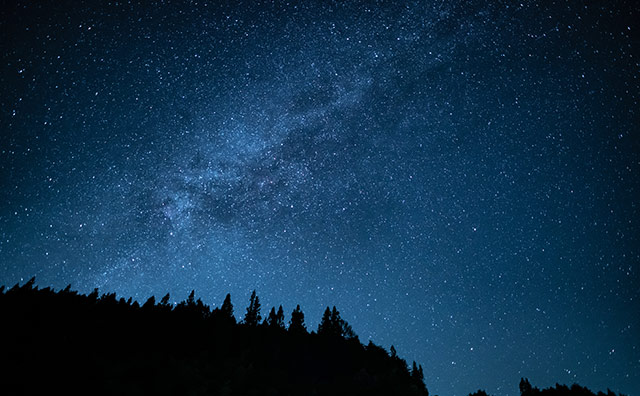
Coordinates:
[460,178]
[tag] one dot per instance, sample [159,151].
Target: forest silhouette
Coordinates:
[64,342]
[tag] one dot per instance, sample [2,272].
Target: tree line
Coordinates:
[526,389]
[63,337]
[63,342]
[331,324]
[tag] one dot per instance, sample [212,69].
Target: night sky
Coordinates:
[459,178]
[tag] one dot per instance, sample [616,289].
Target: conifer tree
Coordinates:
[191,300]
[333,325]
[151,302]
[165,300]
[417,373]
[227,308]
[164,304]
[252,317]
[335,322]
[346,331]
[271,318]
[31,282]
[324,328]
[526,389]
[296,325]
[93,296]
[280,317]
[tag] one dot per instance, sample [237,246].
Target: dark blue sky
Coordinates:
[459,178]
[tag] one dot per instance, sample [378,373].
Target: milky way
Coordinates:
[459,178]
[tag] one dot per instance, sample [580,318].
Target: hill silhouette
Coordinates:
[63,342]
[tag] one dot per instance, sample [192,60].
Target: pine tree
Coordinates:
[416,373]
[191,300]
[324,328]
[227,308]
[280,317]
[333,325]
[30,283]
[164,304]
[526,389]
[271,318]
[151,303]
[346,331]
[165,300]
[252,317]
[296,325]
[336,326]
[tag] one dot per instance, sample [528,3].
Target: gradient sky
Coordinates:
[459,178]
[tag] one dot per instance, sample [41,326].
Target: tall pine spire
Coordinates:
[252,317]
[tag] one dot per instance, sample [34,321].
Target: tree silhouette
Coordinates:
[191,299]
[417,374]
[280,317]
[325,326]
[165,300]
[296,325]
[526,389]
[165,305]
[193,308]
[31,282]
[346,330]
[333,325]
[197,363]
[271,318]
[275,319]
[227,308]
[252,317]
[150,304]
[93,296]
